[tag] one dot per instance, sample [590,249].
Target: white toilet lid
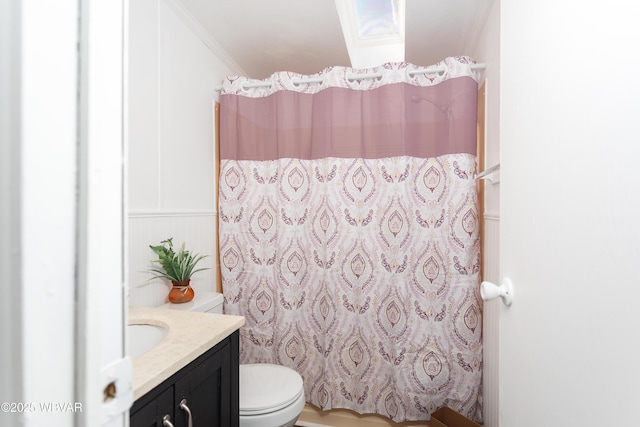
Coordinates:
[267,388]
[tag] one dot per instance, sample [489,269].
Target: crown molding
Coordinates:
[190,21]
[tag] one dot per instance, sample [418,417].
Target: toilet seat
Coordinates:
[266,388]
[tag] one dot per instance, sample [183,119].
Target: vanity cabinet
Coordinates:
[206,389]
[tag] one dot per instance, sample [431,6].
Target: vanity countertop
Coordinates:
[190,335]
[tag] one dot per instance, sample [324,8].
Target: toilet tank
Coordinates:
[203,302]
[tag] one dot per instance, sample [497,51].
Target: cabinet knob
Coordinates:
[185,408]
[166,421]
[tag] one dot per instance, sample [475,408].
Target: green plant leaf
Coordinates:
[177,266]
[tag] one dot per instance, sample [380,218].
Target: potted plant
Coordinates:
[178,267]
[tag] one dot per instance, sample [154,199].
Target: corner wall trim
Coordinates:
[206,38]
[492,216]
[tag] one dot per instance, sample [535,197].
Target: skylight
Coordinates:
[376,18]
[373,30]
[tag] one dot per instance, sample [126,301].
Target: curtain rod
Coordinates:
[350,77]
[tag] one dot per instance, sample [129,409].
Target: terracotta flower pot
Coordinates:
[181,292]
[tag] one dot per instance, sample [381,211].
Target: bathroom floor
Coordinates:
[312,416]
[364,423]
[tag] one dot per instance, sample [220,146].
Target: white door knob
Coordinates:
[490,291]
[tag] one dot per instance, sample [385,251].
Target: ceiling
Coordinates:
[305,36]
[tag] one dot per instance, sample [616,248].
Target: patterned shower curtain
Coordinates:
[349,236]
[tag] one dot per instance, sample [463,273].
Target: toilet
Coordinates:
[270,395]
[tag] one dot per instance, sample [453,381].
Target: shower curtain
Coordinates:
[349,236]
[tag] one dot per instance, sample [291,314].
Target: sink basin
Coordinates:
[143,338]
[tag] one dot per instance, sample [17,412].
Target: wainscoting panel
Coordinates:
[196,229]
[491,318]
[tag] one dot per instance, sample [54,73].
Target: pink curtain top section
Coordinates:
[397,113]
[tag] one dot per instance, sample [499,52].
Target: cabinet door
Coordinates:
[205,391]
[152,413]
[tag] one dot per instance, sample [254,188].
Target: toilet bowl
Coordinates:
[270,395]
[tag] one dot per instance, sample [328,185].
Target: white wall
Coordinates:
[11,368]
[58,119]
[486,49]
[570,197]
[100,290]
[47,194]
[63,143]
[173,70]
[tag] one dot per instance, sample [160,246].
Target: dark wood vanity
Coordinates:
[205,391]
